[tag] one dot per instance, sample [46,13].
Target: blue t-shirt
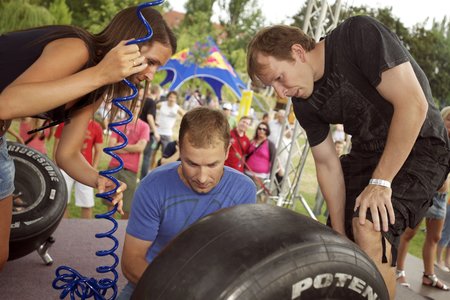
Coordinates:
[163,205]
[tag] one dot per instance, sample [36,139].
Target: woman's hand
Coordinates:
[120,62]
[104,185]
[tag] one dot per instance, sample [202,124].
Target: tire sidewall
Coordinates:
[50,196]
[311,271]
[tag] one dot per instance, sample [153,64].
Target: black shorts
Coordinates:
[413,187]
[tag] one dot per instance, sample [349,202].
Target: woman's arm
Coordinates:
[57,78]
[70,158]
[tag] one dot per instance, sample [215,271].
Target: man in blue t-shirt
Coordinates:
[175,195]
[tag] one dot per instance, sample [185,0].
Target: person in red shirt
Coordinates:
[239,145]
[138,133]
[92,151]
[35,140]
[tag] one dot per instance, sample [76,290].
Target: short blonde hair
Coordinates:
[445,111]
[203,127]
[275,41]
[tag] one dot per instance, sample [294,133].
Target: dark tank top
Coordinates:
[20,49]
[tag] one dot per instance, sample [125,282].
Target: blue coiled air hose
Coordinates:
[69,280]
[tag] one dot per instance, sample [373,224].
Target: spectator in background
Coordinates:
[214,103]
[171,154]
[444,243]
[276,126]
[227,108]
[260,157]
[34,140]
[340,146]
[148,115]
[166,118]
[338,133]
[434,222]
[239,145]
[208,97]
[138,133]
[266,117]
[92,152]
[194,101]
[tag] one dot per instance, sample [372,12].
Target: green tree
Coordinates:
[189,33]
[431,50]
[240,20]
[193,10]
[61,12]
[20,14]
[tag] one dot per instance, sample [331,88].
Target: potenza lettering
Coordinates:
[338,280]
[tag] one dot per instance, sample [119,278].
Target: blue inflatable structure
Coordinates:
[214,69]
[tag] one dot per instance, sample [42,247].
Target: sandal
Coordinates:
[442,267]
[399,274]
[435,282]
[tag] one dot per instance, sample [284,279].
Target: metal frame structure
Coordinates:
[320,18]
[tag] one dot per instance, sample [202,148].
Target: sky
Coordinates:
[410,12]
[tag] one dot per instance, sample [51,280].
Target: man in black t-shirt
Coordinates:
[361,76]
[148,115]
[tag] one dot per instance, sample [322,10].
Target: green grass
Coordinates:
[308,190]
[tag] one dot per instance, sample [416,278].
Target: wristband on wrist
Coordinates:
[381,182]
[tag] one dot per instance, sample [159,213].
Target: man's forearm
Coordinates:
[331,181]
[403,132]
[133,270]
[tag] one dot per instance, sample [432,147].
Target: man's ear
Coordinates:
[298,52]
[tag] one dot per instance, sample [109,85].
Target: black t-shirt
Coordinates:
[356,53]
[149,108]
[169,150]
[20,49]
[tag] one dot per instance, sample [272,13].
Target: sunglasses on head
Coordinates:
[262,128]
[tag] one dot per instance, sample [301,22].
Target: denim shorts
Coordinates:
[6,171]
[439,208]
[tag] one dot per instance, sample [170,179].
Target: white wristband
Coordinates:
[381,182]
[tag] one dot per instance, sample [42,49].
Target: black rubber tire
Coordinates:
[260,252]
[44,193]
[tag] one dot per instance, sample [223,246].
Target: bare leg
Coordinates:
[433,235]
[403,250]
[86,212]
[447,256]
[370,242]
[440,255]
[5,228]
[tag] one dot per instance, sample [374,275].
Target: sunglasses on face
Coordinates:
[262,128]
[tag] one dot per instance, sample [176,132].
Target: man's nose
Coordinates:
[279,90]
[202,175]
[150,72]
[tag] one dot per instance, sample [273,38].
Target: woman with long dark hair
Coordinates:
[62,74]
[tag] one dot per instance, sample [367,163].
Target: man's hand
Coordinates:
[378,200]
